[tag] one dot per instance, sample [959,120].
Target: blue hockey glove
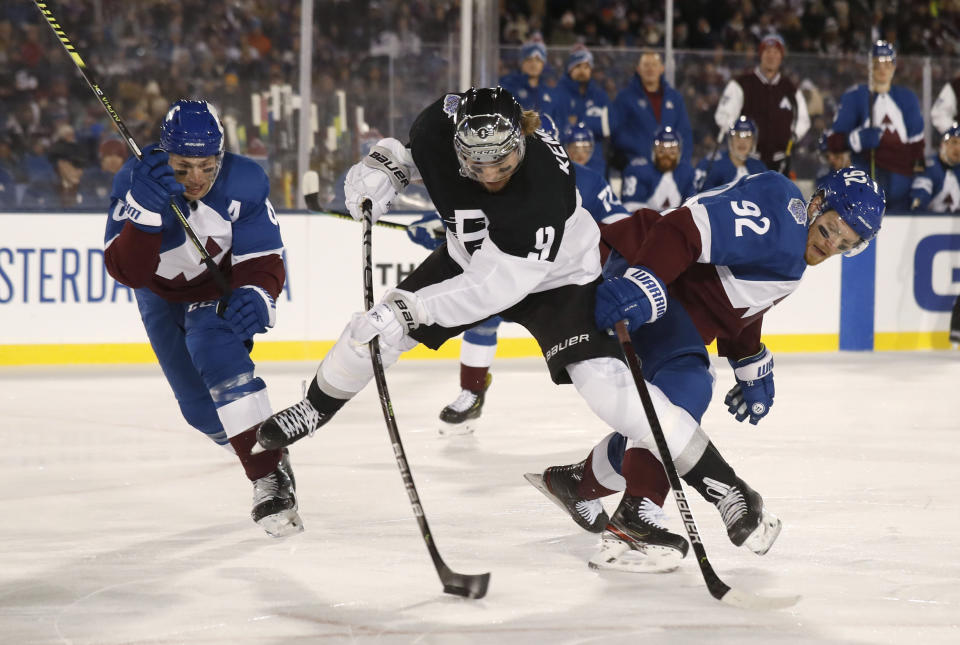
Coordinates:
[638,296]
[250,311]
[428,231]
[865,139]
[753,394]
[153,186]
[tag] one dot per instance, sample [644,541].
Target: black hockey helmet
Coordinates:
[489,126]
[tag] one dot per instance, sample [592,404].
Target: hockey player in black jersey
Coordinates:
[518,243]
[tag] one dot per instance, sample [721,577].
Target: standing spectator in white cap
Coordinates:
[772,101]
[526,84]
[577,98]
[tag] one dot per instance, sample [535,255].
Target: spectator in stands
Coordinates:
[944,111]
[526,84]
[578,99]
[834,160]
[772,101]
[63,192]
[8,187]
[645,105]
[96,182]
[937,189]
[737,160]
[883,126]
[662,184]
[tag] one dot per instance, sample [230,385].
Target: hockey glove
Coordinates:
[398,314]
[638,296]
[865,139]
[753,394]
[428,231]
[153,186]
[379,177]
[251,310]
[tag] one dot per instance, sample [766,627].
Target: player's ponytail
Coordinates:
[529,121]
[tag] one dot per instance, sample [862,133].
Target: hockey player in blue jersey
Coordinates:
[577,98]
[480,343]
[579,142]
[738,160]
[891,131]
[204,356]
[938,188]
[726,257]
[661,184]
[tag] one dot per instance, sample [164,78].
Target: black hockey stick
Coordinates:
[717,587]
[469,586]
[218,276]
[311,197]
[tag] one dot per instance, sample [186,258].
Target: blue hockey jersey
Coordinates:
[717,170]
[598,198]
[633,121]
[646,187]
[937,189]
[235,222]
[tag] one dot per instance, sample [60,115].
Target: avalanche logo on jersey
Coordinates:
[785,104]
[213,231]
[798,209]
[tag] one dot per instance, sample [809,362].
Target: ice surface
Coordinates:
[121,525]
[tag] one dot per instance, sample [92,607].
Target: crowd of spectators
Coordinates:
[391,57]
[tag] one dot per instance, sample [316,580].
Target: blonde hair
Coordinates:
[529,121]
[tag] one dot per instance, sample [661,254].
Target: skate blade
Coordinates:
[765,534]
[282,524]
[617,555]
[458,429]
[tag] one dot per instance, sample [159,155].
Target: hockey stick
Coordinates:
[469,586]
[311,197]
[218,276]
[717,587]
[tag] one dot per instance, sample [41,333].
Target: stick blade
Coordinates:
[747,600]
[473,587]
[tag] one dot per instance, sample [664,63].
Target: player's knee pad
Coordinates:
[688,382]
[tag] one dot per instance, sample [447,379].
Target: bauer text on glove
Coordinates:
[380,176]
[398,314]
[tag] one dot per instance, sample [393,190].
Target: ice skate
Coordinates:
[461,417]
[636,541]
[291,424]
[559,484]
[275,501]
[748,522]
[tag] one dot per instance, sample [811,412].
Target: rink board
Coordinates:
[58,305]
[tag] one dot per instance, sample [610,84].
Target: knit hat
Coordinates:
[532,49]
[772,40]
[579,54]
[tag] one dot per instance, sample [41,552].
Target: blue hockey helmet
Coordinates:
[665,143]
[952,131]
[883,51]
[548,125]
[858,200]
[192,129]
[666,136]
[743,127]
[577,133]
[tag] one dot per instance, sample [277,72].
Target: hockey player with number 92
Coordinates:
[726,257]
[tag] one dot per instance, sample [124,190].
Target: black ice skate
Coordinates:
[275,501]
[460,417]
[748,522]
[292,424]
[635,540]
[559,484]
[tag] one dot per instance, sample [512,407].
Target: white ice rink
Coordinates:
[121,525]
